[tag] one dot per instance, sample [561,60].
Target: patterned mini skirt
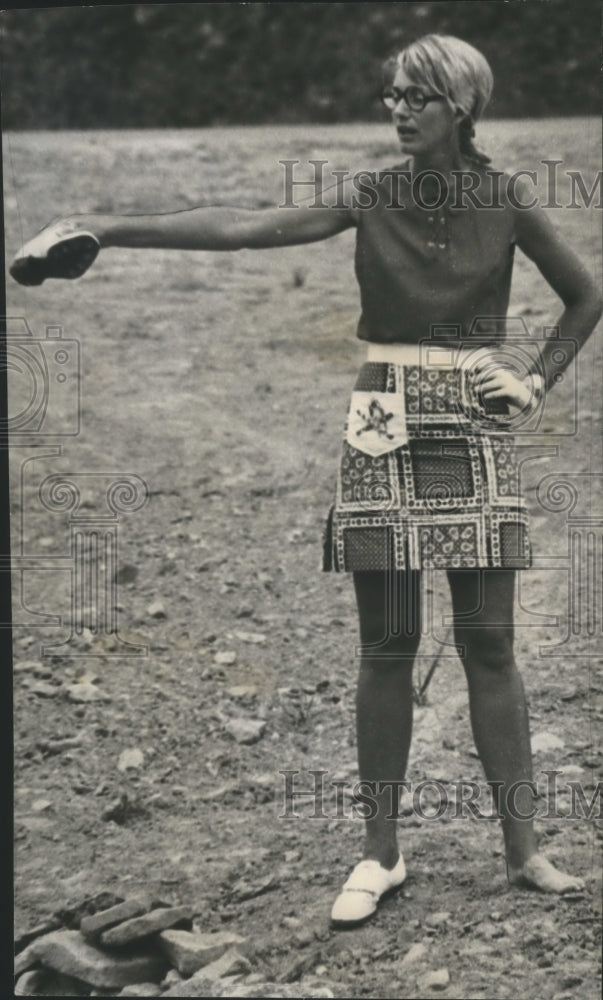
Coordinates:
[428,476]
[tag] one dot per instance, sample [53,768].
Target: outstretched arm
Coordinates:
[217,228]
[67,247]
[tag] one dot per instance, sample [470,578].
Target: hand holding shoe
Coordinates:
[62,249]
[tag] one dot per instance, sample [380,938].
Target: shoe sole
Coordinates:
[68,258]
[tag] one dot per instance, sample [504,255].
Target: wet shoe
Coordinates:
[58,251]
[364,889]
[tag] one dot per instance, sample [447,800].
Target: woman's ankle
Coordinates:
[387,855]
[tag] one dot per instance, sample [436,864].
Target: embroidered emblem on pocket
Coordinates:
[376,422]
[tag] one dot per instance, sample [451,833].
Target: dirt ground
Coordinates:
[222,380]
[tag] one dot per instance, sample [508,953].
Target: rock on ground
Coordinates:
[26,937]
[47,983]
[202,986]
[546,741]
[148,923]
[156,610]
[437,979]
[132,758]
[86,692]
[198,986]
[414,953]
[231,963]
[189,952]
[437,919]
[245,730]
[68,952]
[93,926]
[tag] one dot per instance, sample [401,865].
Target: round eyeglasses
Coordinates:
[415,97]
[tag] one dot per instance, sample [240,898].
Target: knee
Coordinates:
[392,650]
[490,649]
[381,641]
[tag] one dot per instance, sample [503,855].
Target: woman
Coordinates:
[428,474]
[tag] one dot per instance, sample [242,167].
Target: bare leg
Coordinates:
[483,609]
[389,613]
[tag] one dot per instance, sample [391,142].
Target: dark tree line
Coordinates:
[220,63]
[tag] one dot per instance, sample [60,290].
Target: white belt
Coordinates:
[428,355]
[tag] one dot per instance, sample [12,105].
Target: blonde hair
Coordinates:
[452,67]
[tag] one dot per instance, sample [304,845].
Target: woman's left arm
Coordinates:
[567,276]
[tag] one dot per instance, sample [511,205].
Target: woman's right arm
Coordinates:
[217,228]
[54,252]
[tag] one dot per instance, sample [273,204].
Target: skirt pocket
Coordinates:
[376,422]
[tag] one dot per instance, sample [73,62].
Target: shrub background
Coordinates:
[229,63]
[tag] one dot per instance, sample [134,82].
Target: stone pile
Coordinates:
[141,948]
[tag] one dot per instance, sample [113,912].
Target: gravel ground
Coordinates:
[221,380]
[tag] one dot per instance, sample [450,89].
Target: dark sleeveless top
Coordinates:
[442,272]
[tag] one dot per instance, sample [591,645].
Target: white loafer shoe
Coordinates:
[60,250]
[366,886]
